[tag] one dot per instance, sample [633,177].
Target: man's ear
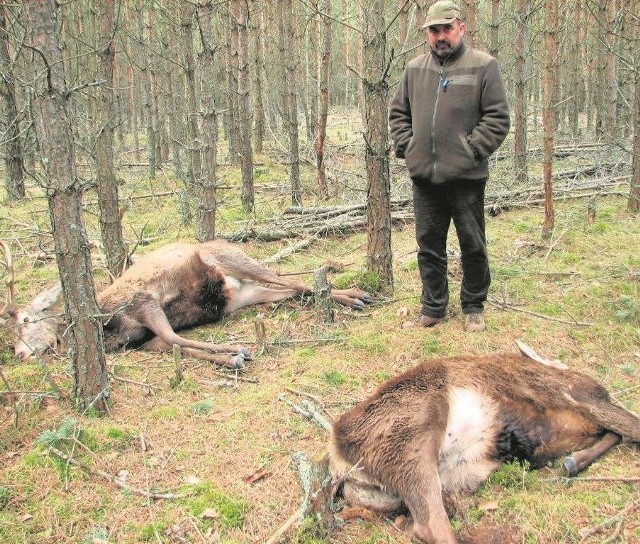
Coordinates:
[463,28]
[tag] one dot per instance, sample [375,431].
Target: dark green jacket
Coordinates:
[447,119]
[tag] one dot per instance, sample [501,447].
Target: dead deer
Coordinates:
[442,427]
[175,287]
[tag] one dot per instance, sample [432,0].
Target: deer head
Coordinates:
[37,323]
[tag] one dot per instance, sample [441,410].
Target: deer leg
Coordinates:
[430,520]
[352,298]
[228,361]
[249,294]
[580,460]
[152,316]
[241,266]
[421,490]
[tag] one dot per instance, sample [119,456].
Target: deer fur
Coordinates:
[175,287]
[442,427]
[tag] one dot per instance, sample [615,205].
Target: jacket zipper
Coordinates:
[433,125]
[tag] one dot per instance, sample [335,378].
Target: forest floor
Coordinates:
[224,446]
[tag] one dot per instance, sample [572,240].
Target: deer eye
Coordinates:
[25,320]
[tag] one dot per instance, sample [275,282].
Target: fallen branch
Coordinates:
[310,411]
[609,479]
[551,246]
[597,529]
[507,306]
[10,392]
[132,382]
[290,250]
[113,479]
[315,399]
[317,498]
[320,221]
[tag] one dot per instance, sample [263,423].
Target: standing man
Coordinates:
[448,115]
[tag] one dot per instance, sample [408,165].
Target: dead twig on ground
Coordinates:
[113,479]
[308,410]
[133,382]
[551,246]
[507,306]
[616,519]
[315,399]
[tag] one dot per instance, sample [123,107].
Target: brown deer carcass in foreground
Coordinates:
[175,287]
[442,427]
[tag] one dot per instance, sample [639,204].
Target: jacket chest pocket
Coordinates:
[461,80]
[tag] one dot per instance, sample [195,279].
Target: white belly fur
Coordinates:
[469,441]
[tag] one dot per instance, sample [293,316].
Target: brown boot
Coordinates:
[423,321]
[474,323]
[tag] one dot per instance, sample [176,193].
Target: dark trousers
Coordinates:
[434,207]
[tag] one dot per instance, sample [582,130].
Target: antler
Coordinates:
[11,287]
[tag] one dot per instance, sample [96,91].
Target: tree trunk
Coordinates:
[55,136]
[376,135]
[323,112]
[633,204]
[548,120]
[259,118]
[231,111]
[575,67]
[289,57]
[207,208]
[469,10]
[14,161]
[240,14]
[194,142]
[495,28]
[110,216]
[520,94]
[313,53]
[147,95]
[605,85]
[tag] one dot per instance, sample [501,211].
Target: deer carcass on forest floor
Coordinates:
[175,287]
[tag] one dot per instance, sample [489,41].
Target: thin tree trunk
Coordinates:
[313,54]
[110,216]
[53,125]
[147,95]
[323,112]
[548,119]
[575,67]
[208,201]
[633,204]
[376,90]
[231,111]
[290,104]
[194,177]
[469,10]
[240,16]
[14,160]
[259,118]
[520,165]
[495,28]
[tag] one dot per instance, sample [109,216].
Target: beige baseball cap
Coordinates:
[441,12]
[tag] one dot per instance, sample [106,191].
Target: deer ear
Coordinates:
[46,299]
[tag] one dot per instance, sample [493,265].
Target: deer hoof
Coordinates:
[570,466]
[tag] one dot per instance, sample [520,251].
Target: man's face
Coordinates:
[445,38]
